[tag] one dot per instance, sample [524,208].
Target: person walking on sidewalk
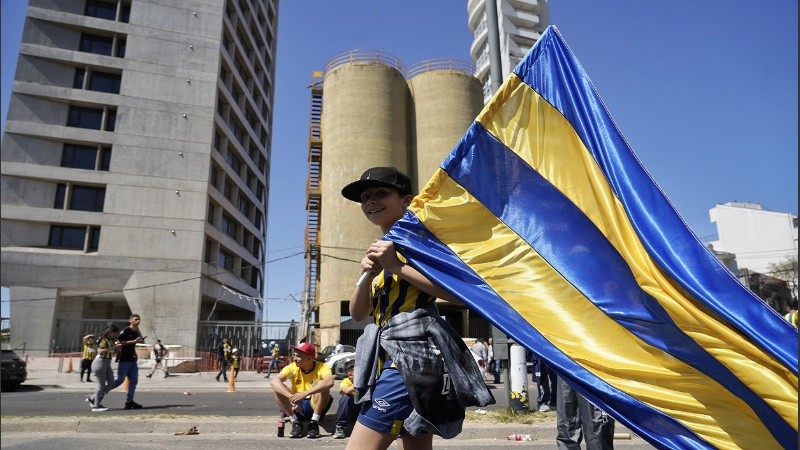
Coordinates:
[224,358]
[159,354]
[275,354]
[309,396]
[127,358]
[89,353]
[101,366]
[235,358]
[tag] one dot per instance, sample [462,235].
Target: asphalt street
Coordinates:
[49,411]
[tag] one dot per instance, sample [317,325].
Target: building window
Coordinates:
[111,119]
[92,118]
[210,217]
[87,198]
[213,179]
[234,162]
[244,206]
[67,237]
[105,158]
[79,198]
[207,253]
[255,278]
[102,45]
[85,117]
[217,141]
[228,191]
[228,226]
[125,15]
[74,237]
[79,156]
[262,163]
[99,45]
[85,157]
[94,239]
[257,222]
[104,82]
[80,76]
[225,260]
[61,195]
[120,50]
[101,9]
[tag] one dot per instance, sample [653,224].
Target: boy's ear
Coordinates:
[407,200]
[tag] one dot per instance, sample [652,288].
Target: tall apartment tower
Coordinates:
[135,167]
[520,24]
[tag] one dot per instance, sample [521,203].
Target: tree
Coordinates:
[786,270]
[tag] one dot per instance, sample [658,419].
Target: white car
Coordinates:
[337,363]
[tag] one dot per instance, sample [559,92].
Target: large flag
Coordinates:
[543,220]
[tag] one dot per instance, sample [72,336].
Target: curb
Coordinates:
[213,425]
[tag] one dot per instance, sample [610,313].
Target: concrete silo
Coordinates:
[447,98]
[365,123]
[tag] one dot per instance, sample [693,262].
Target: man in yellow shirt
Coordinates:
[791,316]
[309,395]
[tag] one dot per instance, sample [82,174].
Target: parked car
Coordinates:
[339,365]
[13,371]
[328,351]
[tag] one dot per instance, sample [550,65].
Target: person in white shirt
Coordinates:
[160,355]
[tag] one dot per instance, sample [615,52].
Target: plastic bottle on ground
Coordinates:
[519,437]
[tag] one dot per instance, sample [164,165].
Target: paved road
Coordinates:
[34,401]
[49,411]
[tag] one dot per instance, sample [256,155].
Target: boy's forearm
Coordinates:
[360,302]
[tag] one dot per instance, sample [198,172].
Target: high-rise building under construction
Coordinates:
[135,166]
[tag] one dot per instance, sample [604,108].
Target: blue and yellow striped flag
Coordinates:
[543,220]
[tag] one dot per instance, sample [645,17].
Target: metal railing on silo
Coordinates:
[362,55]
[434,65]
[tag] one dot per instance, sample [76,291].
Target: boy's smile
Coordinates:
[383,206]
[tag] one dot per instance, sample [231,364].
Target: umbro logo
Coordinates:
[382,403]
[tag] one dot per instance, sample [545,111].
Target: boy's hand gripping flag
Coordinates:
[543,221]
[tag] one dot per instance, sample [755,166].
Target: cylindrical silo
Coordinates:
[447,98]
[365,123]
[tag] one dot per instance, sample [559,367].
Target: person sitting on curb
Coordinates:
[309,396]
[347,413]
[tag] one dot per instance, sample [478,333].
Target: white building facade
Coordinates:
[757,237]
[135,167]
[520,24]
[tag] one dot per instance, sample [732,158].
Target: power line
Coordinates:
[210,277]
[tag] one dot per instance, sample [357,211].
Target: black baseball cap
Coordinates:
[378,176]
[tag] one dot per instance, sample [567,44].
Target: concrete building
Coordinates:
[520,24]
[135,167]
[757,238]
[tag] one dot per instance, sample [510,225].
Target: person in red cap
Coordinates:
[309,395]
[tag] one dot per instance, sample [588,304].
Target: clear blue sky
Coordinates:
[705,93]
